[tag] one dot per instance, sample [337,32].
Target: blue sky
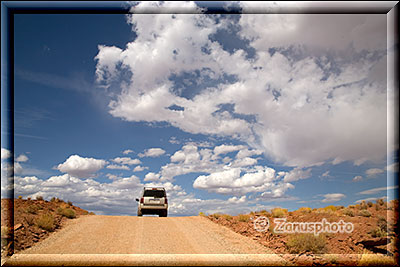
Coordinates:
[231,113]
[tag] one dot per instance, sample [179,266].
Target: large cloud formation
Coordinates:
[297,88]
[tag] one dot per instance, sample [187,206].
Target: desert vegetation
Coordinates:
[35,219]
[374,231]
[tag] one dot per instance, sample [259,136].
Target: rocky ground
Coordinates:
[34,220]
[375,228]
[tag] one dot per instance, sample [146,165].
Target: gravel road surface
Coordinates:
[145,235]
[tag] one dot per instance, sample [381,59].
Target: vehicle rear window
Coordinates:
[154,193]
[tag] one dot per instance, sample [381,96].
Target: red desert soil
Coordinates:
[361,240]
[27,216]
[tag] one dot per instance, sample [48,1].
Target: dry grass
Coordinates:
[329,209]
[244,217]
[306,242]
[382,223]
[279,212]
[377,232]
[348,212]
[377,260]
[305,210]
[364,213]
[380,202]
[69,213]
[32,209]
[216,215]
[227,217]
[363,205]
[30,220]
[46,222]
[5,231]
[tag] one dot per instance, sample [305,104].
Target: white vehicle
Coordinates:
[153,201]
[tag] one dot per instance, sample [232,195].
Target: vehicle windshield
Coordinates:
[154,193]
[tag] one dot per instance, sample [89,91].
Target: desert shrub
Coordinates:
[382,223]
[252,213]
[306,242]
[244,217]
[279,212]
[53,199]
[69,213]
[32,209]
[5,232]
[340,207]
[363,205]
[69,203]
[352,207]
[329,209]
[263,211]
[202,213]
[92,213]
[39,198]
[377,232]
[227,217]
[377,207]
[380,202]
[46,222]
[364,213]
[30,220]
[28,198]
[370,204]
[348,212]
[19,197]
[216,215]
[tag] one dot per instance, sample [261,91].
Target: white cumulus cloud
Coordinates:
[139,168]
[151,176]
[152,152]
[22,158]
[81,167]
[231,181]
[127,151]
[297,174]
[5,153]
[313,88]
[126,161]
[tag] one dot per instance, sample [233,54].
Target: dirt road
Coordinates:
[145,235]
[145,241]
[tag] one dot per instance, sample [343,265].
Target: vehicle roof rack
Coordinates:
[154,187]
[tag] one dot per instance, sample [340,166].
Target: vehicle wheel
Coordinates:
[163,214]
